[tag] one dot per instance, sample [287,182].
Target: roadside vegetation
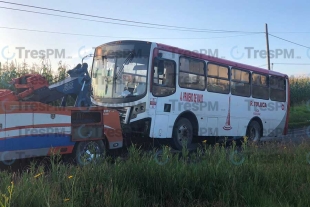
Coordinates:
[300,116]
[271,175]
[11,70]
[15,70]
[300,102]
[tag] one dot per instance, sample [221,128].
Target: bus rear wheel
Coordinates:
[254,132]
[182,134]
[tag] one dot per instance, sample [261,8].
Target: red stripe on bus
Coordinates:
[37,126]
[61,150]
[46,134]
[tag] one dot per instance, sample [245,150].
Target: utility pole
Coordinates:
[267,42]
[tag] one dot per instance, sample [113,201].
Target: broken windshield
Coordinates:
[120,74]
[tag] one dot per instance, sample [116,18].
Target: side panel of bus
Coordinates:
[216,112]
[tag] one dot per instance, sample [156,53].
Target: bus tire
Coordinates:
[182,131]
[254,131]
[87,152]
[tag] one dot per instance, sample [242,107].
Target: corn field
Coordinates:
[8,71]
[14,70]
[300,90]
[299,86]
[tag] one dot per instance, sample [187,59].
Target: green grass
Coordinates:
[272,175]
[299,115]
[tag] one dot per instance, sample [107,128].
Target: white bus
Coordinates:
[164,92]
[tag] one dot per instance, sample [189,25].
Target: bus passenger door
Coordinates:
[163,94]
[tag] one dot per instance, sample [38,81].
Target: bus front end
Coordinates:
[120,81]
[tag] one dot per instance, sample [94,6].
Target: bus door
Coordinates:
[163,97]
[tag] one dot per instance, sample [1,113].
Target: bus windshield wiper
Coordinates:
[126,62]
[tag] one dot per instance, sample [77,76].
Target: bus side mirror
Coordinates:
[160,66]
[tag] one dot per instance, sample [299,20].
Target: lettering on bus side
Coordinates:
[191,97]
[258,104]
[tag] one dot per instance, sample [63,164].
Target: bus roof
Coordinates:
[217,60]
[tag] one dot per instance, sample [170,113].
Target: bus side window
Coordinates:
[260,86]
[164,85]
[169,79]
[192,73]
[217,79]
[277,89]
[240,83]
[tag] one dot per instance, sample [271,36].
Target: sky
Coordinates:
[285,19]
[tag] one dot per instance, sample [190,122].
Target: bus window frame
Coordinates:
[204,70]
[285,88]
[154,84]
[268,84]
[217,77]
[250,80]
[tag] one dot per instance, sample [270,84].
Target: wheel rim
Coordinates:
[90,153]
[183,135]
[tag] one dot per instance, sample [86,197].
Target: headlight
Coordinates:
[138,109]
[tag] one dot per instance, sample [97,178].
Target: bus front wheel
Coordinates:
[182,134]
[254,132]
